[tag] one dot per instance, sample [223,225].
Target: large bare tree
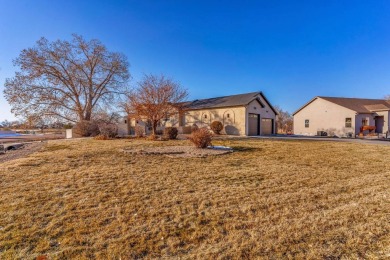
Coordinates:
[66,79]
[156,98]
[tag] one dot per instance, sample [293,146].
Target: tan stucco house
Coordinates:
[247,114]
[343,117]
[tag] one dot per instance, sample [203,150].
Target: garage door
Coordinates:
[266,126]
[253,124]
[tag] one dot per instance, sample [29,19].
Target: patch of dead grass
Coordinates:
[269,199]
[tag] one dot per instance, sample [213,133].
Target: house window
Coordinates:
[348,122]
[228,115]
[125,121]
[205,116]
[364,121]
[307,123]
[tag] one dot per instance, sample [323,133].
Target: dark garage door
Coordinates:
[267,126]
[253,124]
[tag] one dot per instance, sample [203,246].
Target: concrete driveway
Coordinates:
[326,139]
[310,138]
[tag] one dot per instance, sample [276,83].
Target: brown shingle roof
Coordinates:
[360,105]
[226,101]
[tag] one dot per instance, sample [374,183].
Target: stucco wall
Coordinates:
[265,112]
[233,119]
[324,116]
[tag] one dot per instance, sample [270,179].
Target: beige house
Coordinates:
[343,117]
[248,114]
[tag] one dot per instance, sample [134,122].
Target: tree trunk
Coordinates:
[154,127]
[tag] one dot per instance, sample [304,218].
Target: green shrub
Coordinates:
[171,132]
[201,138]
[68,126]
[217,127]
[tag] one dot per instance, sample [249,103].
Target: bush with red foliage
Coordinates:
[217,127]
[201,138]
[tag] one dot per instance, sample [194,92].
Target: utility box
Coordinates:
[69,133]
[322,133]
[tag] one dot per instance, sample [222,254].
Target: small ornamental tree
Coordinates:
[284,121]
[201,138]
[217,127]
[156,98]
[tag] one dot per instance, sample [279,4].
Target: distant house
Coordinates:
[244,114]
[342,116]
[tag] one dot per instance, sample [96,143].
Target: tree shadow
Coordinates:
[246,149]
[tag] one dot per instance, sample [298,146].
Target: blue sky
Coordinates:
[290,50]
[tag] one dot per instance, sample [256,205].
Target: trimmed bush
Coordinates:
[152,137]
[86,128]
[101,137]
[109,130]
[159,132]
[217,127]
[171,132]
[139,131]
[201,138]
[194,127]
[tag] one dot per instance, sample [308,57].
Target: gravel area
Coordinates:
[178,151]
[24,151]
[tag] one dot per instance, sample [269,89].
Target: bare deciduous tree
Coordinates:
[67,80]
[284,122]
[156,98]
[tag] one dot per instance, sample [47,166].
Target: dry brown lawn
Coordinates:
[269,199]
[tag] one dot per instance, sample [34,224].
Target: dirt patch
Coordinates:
[24,151]
[178,151]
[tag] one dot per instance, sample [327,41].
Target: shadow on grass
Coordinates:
[246,149]
[57,147]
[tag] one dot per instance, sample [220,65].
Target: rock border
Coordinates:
[178,151]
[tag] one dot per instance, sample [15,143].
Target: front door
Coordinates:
[379,123]
[253,124]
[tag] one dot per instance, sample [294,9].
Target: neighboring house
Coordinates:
[342,116]
[245,114]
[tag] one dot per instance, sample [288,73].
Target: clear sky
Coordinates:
[290,50]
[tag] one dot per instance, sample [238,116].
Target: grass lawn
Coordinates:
[269,199]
